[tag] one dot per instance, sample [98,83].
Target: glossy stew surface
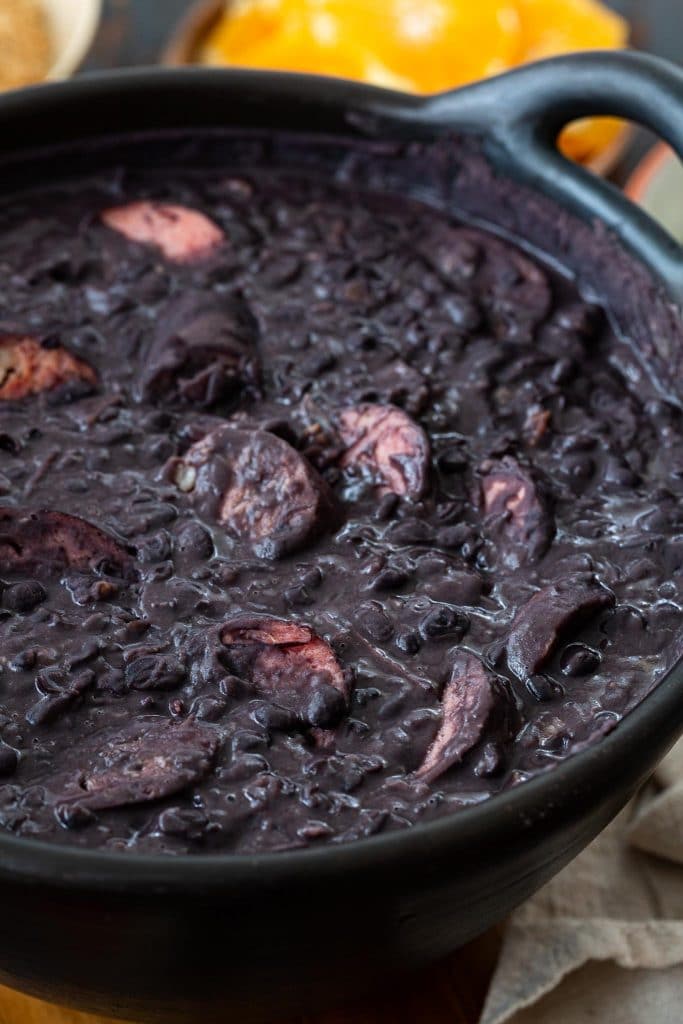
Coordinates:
[320,515]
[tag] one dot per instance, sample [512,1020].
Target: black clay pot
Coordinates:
[257,938]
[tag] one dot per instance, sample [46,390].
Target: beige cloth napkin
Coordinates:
[602,943]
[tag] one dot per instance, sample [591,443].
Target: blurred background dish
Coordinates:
[72,24]
[419,46]
[44,39]
[26,49]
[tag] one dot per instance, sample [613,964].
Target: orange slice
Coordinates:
[553,27]
[244,23]
[287,35]
[431,44]
[419,45]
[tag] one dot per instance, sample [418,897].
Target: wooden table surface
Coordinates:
[451,992]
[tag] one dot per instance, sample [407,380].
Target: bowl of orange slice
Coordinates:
[419,46]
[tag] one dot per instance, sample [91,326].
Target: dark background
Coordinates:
[134,31]
[657,25]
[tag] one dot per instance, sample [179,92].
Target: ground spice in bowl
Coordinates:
[25,44]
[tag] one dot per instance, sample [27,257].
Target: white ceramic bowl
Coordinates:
[73,24]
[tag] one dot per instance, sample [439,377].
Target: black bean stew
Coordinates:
[320,515]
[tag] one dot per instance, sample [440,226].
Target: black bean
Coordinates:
[96,623]
[134,630]
[391,578]
[298,596]
[624,621]
[375,622]
[542,688]
[453,460]
[618,474]
[51,680]
[577,443]
[490,762]
[232,686]
[409,642]
[194,539]
[318,363]
[248,739]
[464,312]
[312,578]
[157,548]
[585,320]
[411,531]
[456,536]
[49,708]
[103,590]
[155,672]
[184,822]
[361,697]
[112,681]
[8,444]
[325,707]
[563,371]
[386,506]
[369,823]
[449,512]
[579,468]
[208,709]
[24,597]
[73,816]
[281,270]
[25,660]
[350,778]
[443,623]
[9,760]
[275,718]
[89,650]
[579,660]
[354,727]
[554,740]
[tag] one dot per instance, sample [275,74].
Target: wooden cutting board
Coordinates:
[451,992]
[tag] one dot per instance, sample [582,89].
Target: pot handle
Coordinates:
[526,110]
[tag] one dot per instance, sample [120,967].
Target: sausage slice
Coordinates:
[549,616]
[43,541]
[289,664]
[29,367]
[258,486]
[467,702]
[385,441]
[182,235]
